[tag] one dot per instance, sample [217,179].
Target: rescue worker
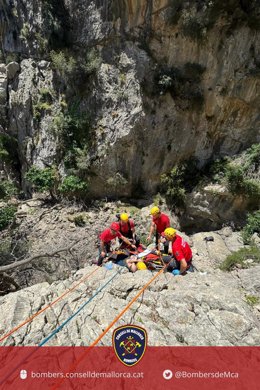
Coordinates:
[127,228]
[159,223]
[180,250]
[107,236]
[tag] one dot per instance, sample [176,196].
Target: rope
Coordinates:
[126,308]
[14,369]
[79,309]
[29,319]
[73,366]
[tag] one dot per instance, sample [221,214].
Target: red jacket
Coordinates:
[181,249]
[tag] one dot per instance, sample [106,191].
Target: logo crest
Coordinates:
[129,342]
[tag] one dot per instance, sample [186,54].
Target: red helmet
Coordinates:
[115,226]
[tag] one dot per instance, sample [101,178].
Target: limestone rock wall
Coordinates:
[138,131]
[150,139]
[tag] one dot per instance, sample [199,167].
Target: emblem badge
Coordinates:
[129,342]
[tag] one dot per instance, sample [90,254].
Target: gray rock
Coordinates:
[256,238]
[193,310]
[43,64]
[3,96]
[12,69]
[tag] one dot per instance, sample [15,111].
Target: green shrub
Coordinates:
[93,62]
[158,199]
[56,23]
[241,175]
[43,179]
[7,189]
[182,178]
[215,170]
[64,63]
[79,221]
[25,32]
[73,130]
[252,226]
[253,156]
[173,186]
[7,216]
[46,95]
[240,258]
[235,177]
[42,42]
[47,179]
[40,108]
[59,124]
[252,300]
[44,103]
[236,13]
[165,83]
[70,65]
[82,159]
[116,181]
[72,126]
[11,57]
[3,152]
[239,184]
[117,184]
[73,186]
[199,16]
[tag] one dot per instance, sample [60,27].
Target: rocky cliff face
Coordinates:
[176,80]
[151,129]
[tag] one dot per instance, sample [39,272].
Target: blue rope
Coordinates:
[79,309]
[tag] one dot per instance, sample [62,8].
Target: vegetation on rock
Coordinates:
[182,83]
[198,18]
[252,226]
[7,214]
[240,258]
[181,179]
[49,180]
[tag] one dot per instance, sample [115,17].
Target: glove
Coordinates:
[176,272]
